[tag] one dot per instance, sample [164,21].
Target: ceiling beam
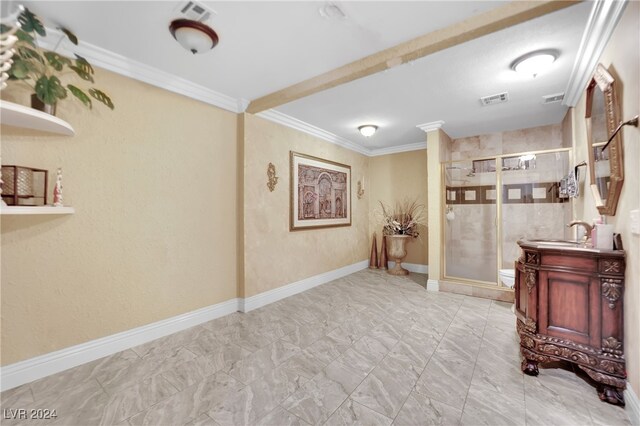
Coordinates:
[477,26]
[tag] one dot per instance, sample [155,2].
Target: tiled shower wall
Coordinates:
[533,139]
[471,242]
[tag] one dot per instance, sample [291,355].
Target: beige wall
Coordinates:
[154,234]
[393,178]
[274,256]
[622,57]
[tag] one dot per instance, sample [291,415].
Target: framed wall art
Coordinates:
[320,193]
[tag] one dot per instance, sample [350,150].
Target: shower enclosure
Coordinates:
[491,203]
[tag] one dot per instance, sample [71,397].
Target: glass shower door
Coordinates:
[470,251]
[533,206]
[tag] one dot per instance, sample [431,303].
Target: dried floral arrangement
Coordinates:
[404,219]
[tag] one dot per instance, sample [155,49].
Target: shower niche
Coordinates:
[491,203]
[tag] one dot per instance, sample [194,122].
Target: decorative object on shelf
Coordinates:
[382,260]
[7,40]
[320,193]
[20,183]
[361,188]
[373,259]
[40,69]
[273,179]
[195,36]
[57,190]
[397,252]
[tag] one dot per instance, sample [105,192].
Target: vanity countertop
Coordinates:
[566,246]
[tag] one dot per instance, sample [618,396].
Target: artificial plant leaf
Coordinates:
[25,37]
[49,89]
[78,93]
[84,64]
[102,97]
[82,73]
[29,53]
[20,69]
[5,28]
[30,22]
[56,61]
[72,37]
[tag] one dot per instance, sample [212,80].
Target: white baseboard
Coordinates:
[45,365]
[263,299]
[632,405]
[433,285]
[412,267]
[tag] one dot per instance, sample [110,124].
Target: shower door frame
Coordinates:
[498,219]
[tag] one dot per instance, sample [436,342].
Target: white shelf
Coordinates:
[17,210]
[21,116]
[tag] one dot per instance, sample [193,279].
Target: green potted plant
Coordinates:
[41,69]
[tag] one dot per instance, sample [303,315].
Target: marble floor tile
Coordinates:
[136,398]
[103,367]
[388,386]
[446,379]
[419,410]
[189,404]
[256,400]
[258,363]
[484,407]
[319,397]
[203,420]
[281,417]
[368,348]
[352,413]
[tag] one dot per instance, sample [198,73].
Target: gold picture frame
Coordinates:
[320,193]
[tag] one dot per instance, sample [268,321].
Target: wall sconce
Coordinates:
[360,188]
[273,179]
[194,36]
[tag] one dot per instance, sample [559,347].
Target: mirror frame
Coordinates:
[606,83]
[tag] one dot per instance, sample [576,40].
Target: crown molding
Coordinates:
[603,19]
[129,68]
[427,127]
[396,149]
[294,123]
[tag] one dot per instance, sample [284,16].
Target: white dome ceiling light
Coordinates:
[535,62]
[367,130]
[194,36]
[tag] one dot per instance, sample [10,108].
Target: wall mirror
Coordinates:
[605,165]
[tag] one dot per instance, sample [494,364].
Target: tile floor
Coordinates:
[365,349]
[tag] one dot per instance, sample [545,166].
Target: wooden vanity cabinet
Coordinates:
[569,306]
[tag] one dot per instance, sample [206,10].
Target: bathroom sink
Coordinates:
[559,243]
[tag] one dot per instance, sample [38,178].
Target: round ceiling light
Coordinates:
[534,63]
[194,36]
[367,130]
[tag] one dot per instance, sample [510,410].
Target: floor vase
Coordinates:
[397,251]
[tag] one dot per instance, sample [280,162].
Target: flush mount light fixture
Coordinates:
[535,62]
[194,36]
[367,130]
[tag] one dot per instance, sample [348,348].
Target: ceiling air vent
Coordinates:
[196,11]
[495,99]
[552,99]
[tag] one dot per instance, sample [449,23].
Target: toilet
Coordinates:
[508,277]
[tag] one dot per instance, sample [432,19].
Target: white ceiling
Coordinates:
[265,46]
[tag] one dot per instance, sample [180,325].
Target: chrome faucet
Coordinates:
[587,229]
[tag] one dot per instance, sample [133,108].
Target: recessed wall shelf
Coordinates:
[22,210]
[21,116]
